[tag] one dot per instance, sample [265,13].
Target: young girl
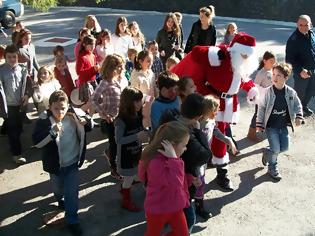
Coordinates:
[162,169]
[231,31]
[129,136]
[168,38]
[86,68]
[92,24]
[106,99]
[157,65]
[121,38]
[82,33]
[280,108]
[45,86]
[186,86]
[142,78]
[60,51]
[104,46]
[171,62]
[137,36]
[262,81]
[62,74]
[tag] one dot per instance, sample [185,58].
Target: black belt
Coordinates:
[218,93]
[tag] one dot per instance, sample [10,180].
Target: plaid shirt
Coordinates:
[157,67]
[106,98]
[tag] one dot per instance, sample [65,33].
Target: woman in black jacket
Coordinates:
[203,32]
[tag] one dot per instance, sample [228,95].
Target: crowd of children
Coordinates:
[159,128]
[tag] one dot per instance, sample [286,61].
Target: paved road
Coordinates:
[25,191]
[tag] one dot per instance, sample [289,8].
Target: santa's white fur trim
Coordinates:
[221,160]
[213,56]
[243,49]
[228,115]
[253,95]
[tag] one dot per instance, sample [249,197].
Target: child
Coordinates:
[132,54]
[157,65]
[186,86]
[121,38]
[62,74]
[142,78]
[16,89]
[82,33]
[106,99]
[61,135]
[262,81]
[280,108]
[45,86]
[86,68]
[231,31]
[104,46]
[171,62]
[179,18]
[2,50]
[129,136]
[60,51]
[92,24]
[163,171]
[167,99]
[137,36]
[208,126]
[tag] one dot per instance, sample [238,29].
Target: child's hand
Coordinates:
[57,127]
[143,136]
[162,53]
[298,122]
[169,150]
[232,146]
[24,100]
[97,68]
[197,182]
[258,129]
[82,121]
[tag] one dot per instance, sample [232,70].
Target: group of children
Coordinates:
[159,128]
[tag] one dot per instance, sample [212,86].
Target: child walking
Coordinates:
[163,171]
[16,88]
[280,108]
[62,74]
[142,78]
[262,81]
[106,100]
[45,86]
[61,135]
[129,136]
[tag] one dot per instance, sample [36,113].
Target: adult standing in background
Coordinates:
[203,32]
[300,52]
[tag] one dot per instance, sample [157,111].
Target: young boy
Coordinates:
[280,108]
[61,135]
[167,99]
[17,89]
[157,65]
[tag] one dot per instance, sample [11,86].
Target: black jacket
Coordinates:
[194,35]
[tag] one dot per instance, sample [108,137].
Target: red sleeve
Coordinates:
[85,68]
[247,85]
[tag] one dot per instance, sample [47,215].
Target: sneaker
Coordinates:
[307,112]
[264,158]
[19,160]
[75,229]
[275,174]
[115,175]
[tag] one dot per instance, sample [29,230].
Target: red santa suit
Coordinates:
[221,71]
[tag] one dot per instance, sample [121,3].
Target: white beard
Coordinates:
[243,67]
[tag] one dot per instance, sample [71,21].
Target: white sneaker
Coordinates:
[19,160]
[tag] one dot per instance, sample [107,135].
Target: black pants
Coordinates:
[14,127]
[305,88]
[109,129]
[253,121]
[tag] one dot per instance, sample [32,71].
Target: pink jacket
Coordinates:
[167,189]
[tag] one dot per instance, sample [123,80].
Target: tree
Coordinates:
[44,5]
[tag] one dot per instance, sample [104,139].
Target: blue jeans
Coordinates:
[278,142]
[66,184]
[190,217]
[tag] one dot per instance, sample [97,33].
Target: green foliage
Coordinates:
[44,5]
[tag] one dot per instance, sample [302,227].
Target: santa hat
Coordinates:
[243,43]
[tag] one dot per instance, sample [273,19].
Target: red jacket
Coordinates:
[85,67]
[65,81]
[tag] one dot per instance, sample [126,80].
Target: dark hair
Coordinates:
[193,106]
[57,49]
[284,68]
[21,34]
[126,107]
[176,28]
[208,11]
[58,96]
[11,49]
[83,31]
[153,42]
[167,79]
[182,83]
[2,50]
[87,40]
[267,55]
[141,56]
[120,20]
[102,34]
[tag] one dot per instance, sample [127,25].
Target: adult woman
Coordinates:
[168,38]
[203,31]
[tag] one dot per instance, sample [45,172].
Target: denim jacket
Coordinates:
[266,106]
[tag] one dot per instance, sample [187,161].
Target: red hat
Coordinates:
[244,39]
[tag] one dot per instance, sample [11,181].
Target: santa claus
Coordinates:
[221,71]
